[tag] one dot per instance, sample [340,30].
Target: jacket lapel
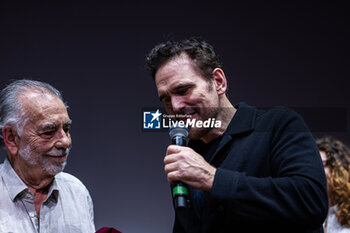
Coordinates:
[242,122]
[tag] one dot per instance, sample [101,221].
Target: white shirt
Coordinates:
[68,207]
[333,225]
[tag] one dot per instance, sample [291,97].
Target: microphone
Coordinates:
[179,136]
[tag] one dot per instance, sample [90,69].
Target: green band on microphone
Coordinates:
[179,190]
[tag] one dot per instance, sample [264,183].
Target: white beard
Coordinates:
[43,161]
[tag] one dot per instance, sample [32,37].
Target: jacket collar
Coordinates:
[243,121]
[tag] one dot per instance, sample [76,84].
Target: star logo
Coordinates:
[151,119]
[156,115]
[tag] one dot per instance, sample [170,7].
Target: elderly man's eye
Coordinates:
[49,133]
[66,129]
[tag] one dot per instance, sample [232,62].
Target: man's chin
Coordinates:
[53,168]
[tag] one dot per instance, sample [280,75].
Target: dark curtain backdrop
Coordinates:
[292,54]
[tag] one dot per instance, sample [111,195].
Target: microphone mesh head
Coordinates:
[178,131]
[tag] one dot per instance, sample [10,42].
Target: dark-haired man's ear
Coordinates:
[219,80]
[10,138]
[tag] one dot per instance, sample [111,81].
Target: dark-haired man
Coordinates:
[259,171]
[35,195]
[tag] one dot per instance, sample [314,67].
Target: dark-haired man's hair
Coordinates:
[201,53]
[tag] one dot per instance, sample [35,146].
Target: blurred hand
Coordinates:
[184,164]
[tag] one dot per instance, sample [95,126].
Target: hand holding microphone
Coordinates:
[185,165]
[179,137]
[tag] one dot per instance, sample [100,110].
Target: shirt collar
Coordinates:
[12,182]
[53,190]
[243,120]
[16,186]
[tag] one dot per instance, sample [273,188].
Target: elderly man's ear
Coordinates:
[10,139]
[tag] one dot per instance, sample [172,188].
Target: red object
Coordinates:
[107,230]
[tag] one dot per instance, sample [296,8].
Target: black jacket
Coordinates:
[269,178]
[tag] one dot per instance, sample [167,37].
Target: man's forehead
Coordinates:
[164,74]
[32,98]
[42,105]
[173,72]
[177,61]
[34,95]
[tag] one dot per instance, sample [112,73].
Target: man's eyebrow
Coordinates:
[182,85]
[48,127]
[54,126]
[176,88]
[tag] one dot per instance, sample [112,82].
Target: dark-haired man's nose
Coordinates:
[177,104]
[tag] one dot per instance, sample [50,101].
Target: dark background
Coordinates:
[294,55]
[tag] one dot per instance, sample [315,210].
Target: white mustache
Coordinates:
[58,152]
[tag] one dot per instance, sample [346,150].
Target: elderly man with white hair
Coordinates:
[35,195]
